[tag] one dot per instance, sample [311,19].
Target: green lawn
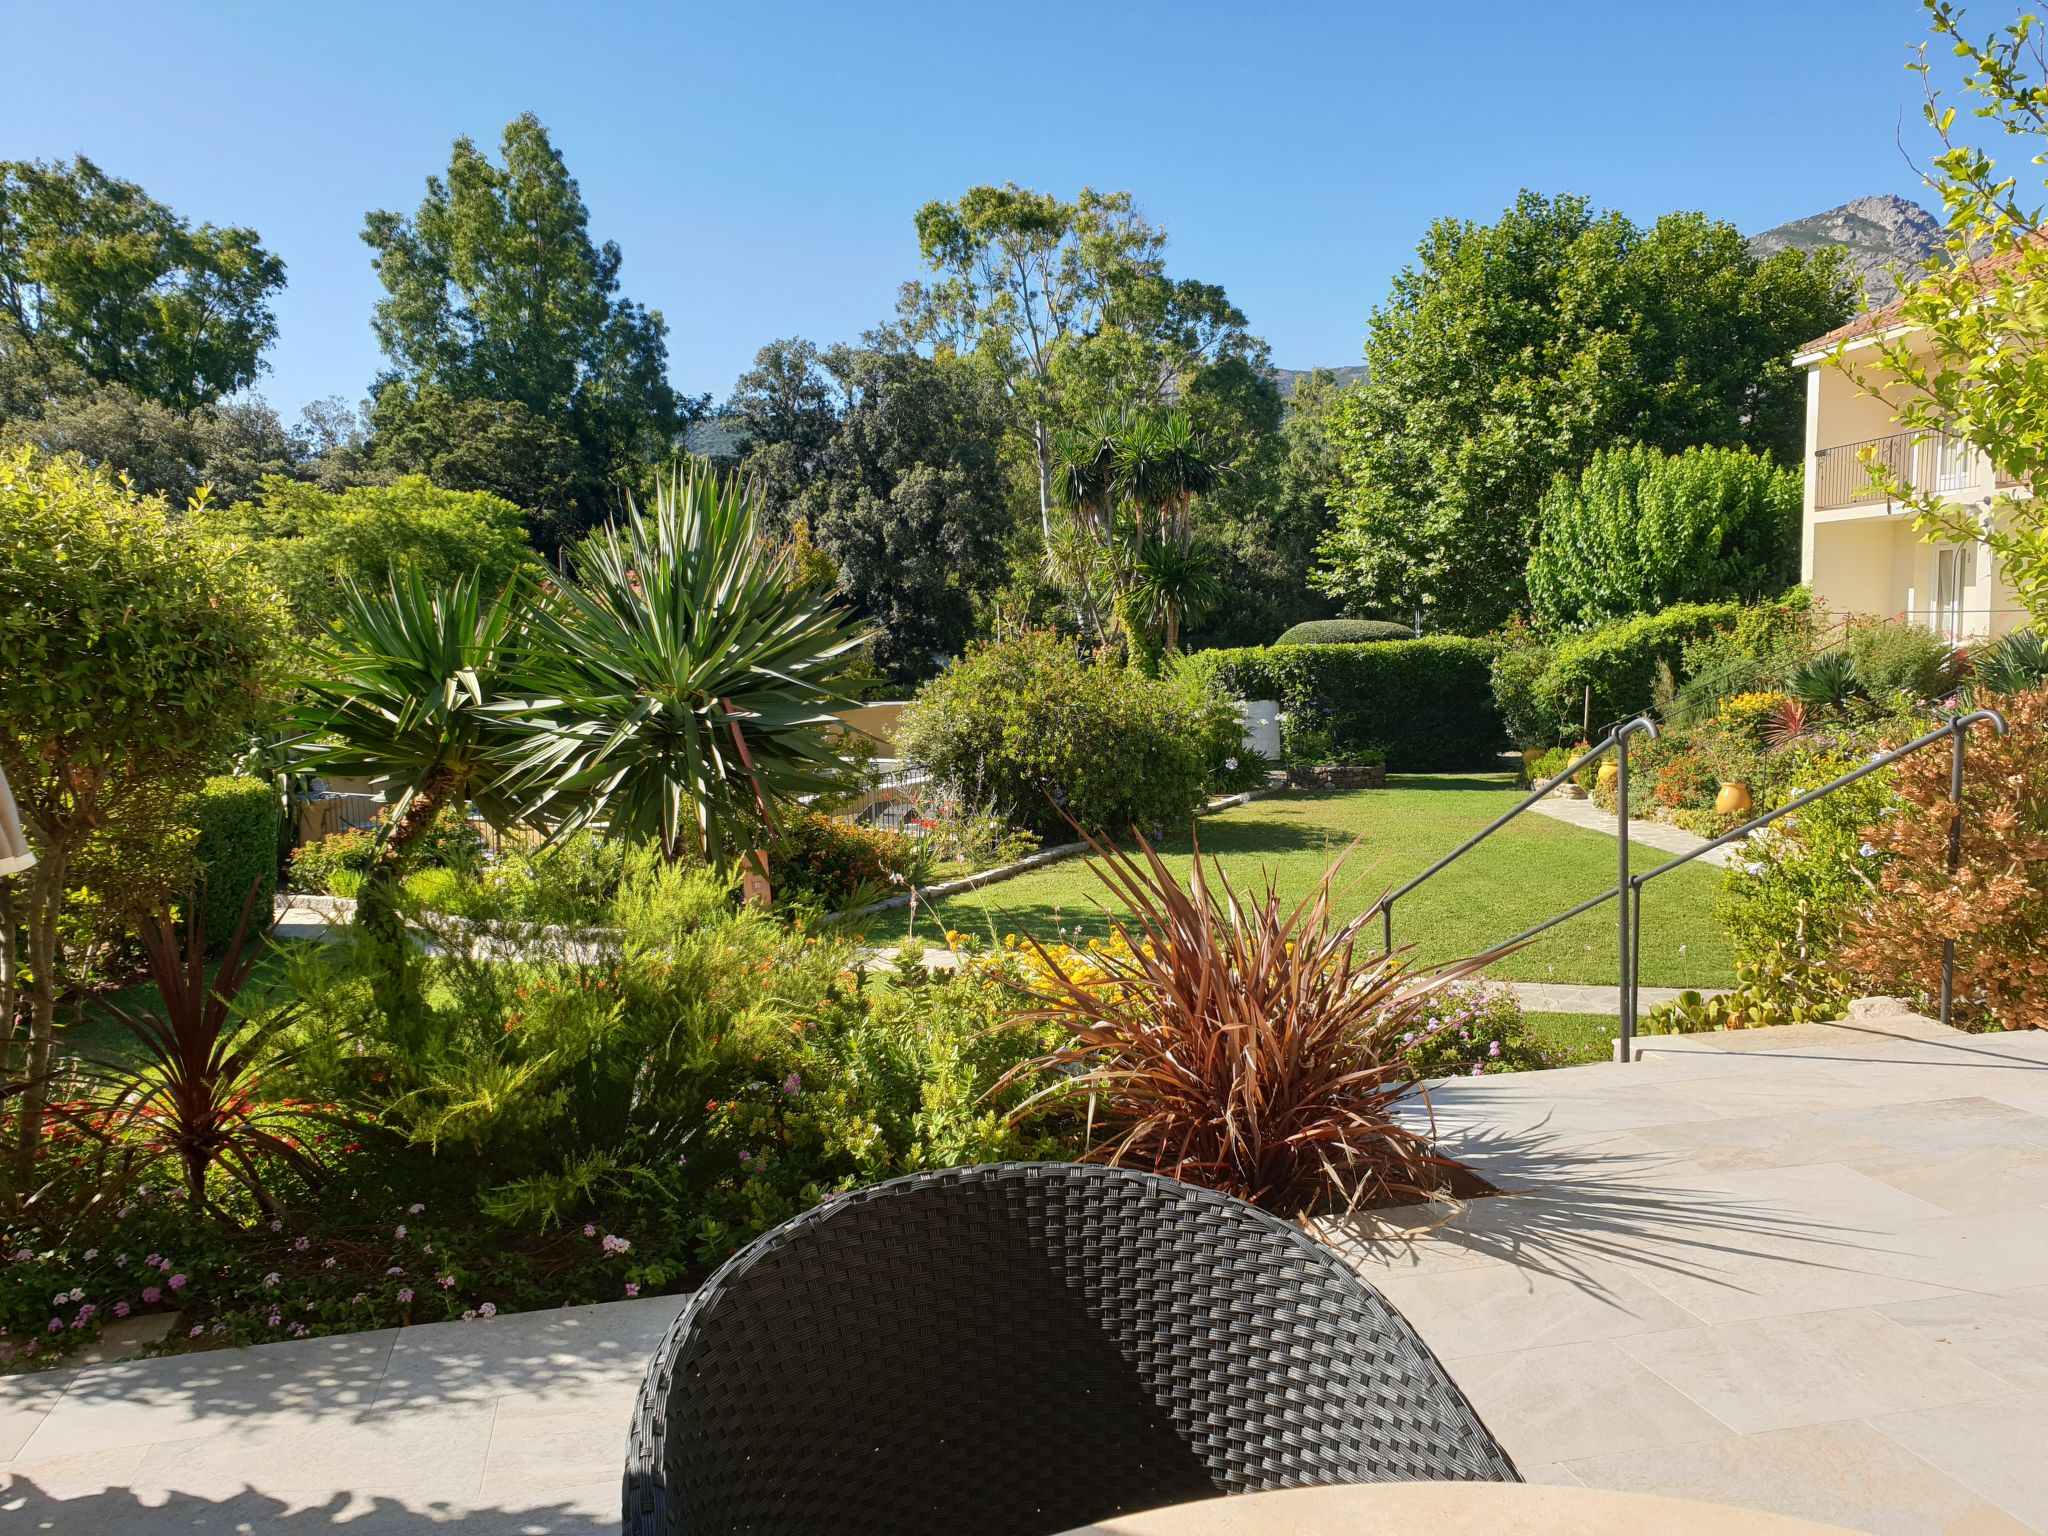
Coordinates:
[1530,870]
[1578,1037]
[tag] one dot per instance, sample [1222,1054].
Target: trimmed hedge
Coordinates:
[1621,662]
[1428,704]
[237,822]
[1345,632]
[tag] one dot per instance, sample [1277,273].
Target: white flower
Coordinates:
[1230,765]
[1867,851]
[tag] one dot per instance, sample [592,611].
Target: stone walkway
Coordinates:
[1648,834]
[1803,1270]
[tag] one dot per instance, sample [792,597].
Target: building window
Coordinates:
[1955,571]
[1954,463]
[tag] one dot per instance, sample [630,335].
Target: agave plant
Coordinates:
[1827,681]
[2013,663]
[194,1096]
[677,688]
[1227,1041]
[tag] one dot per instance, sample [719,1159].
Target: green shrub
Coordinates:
[1630,665]
[1026,725]
[1902,658]
[237,821]
[2013,663]
[1345,632]
[1639,530]
[1521,658]
[315,864]
[1427,704]
[1470,1031]
[816,861]
[1758,653]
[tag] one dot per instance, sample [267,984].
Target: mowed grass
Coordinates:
[1532,869]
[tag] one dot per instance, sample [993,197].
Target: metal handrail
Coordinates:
[1956,730]
[1616,738]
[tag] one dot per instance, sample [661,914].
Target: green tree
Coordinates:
[98,277]
[1970,358]
[1508,353]
[784,411]
[1266,518]
[227,448]
[494,291]
[1070,306]
[911,506]
[500,448]
[1638,530]
[133,652]
[316,545]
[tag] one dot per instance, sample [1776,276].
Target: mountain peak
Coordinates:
[1882,234]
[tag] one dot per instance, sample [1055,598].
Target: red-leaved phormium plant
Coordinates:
[1995,906]
[1254,1049]
[194,1091]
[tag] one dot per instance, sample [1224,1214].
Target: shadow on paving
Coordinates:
[26,1506]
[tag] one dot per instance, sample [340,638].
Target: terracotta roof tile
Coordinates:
[1873,321]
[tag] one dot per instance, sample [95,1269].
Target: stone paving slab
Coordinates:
[1809,1276]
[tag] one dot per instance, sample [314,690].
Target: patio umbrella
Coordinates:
[15,853]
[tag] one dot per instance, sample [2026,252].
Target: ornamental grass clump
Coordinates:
[1223,1039]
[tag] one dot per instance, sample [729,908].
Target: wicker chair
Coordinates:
[1024,1348]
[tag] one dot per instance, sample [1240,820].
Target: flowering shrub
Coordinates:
[1746,714]
[1685,781]
[816,861]
[1995,906]
[1469,1030]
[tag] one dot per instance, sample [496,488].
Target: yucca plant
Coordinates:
[1828,681]
[194,1095]
[402,693]
[1225,1040]
[1175,584]
[678,687]
[2013,663]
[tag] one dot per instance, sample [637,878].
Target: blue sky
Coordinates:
[759,163]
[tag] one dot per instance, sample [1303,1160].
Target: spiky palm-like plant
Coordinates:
[677,688]
[401,695]
[1175,584]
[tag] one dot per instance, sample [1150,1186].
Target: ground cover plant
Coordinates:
[1529,871]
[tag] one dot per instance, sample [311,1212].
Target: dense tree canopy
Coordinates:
[101,281]
[1070,306]
[1510,352]
[494,291]
[1638,530]
[313,544]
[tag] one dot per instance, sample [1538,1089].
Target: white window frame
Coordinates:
[1954,463]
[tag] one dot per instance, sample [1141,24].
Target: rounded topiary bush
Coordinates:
[1345,632]
[237,819]
[1026,726]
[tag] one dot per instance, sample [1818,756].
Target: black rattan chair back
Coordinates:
[1023,1348]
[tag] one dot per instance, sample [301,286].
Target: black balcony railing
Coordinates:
[1842,475]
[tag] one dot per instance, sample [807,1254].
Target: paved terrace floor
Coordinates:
[1808,1273]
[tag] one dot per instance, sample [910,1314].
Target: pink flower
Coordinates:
[487,1310]
[447,1282]
[327,1263]
[277,1226]
[220,1330]
[271,1278]
[469,1317]
[588,1231]
[177,1282]
[56,1325]
[614,1244]
[151,1295]
[632,1289]
[400,1233]
[302,1244]
[196,1330]
[414,1209]
[153,1260]
[404,1294]
[121,1309]
[276,1320]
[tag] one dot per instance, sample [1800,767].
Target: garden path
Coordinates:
[1656,834]
[1803,1270]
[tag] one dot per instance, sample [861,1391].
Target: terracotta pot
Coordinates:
[1610,774]
[1734,799]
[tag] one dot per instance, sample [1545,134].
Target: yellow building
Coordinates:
[1858,549]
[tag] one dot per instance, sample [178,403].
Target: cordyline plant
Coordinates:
[1995,906]
[1242,1046]
[679,688]
[195,1095]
